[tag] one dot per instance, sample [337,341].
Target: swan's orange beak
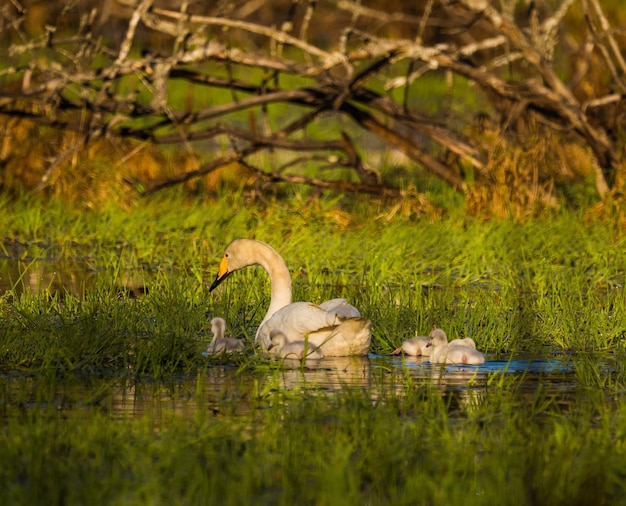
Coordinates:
[222,273]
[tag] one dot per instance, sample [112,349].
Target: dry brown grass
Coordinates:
[522,181]
[612,207]
[59,164]
[517,182]
[411,204]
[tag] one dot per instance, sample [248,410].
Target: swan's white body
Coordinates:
[415,346]
[454,353]
[281,346]
[334,326]
[466,341]
[220,344]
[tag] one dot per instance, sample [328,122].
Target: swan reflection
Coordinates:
[223,389]
[329,373]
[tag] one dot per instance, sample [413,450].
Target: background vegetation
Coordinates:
[516,107]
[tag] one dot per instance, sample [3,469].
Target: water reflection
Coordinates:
[466,386]
[379,372]
[55,276]
[329,374]
[223,390]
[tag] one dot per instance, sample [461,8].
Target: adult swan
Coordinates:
[334,326]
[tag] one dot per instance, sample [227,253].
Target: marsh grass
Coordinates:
[554,284]
[544,288]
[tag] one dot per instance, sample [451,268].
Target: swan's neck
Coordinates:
[280,280]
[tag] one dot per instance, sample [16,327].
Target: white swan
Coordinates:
[220,344]
[444,353]
[281,346]
[415,346]
[335,326]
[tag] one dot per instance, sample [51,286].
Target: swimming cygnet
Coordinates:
[454,353]
[280,346]
[415,346]
[220,344]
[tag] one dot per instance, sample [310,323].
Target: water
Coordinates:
[52,276]
[222,388]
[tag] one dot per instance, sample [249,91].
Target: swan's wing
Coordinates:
[341,308]
[414,346]
[225,345]
[350,337]
[232,344]
[421,342]
[297,320]
[461,354]
[468,341]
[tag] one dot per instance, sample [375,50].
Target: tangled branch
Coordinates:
[302,91]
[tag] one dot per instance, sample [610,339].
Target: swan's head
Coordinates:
[241,253]
[230,262]
[222,273]
[437,338]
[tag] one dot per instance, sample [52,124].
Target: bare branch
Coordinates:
[606,51]
[281,89]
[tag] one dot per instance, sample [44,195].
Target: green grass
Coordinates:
[553,284]
[550,287]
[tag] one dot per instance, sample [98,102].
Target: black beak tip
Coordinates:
[214,285]
[217,281]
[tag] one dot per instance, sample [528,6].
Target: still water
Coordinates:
[75,276]
[225,390]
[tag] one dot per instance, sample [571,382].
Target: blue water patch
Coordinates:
[490,366]
[519,366]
